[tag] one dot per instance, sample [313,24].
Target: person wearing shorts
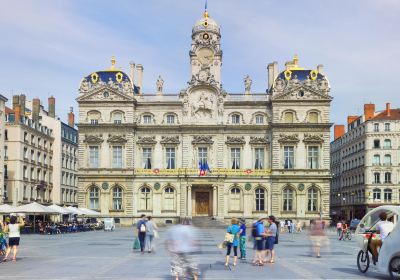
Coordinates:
[260,242]
[13,229]
[271,238]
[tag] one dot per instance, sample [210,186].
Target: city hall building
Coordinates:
[204,151]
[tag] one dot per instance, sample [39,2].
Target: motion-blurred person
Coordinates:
[151,229]
[339,228]
[344,230]
[298,227]
[13,229]
[242,240]
[233,229]
[182,243]
[317,236]
[259,229]
[271,235]
[383,228]
[282,226]
[141,228]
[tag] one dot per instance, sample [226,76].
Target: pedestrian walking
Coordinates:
[344,230]
[232,240]
[271,238]
[289,226]
[141,228]
[151,231]
[282,226]
[317,236]
[298,227]
[13,229]
[258,234]
[339,228]
[242,239]
[292,226]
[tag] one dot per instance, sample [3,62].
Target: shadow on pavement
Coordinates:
[355,271]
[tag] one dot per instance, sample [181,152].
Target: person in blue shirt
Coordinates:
[242,239]
[234,229]
[259,234]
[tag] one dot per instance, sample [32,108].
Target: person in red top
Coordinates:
[344,230]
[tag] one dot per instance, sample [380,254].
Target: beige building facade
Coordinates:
[3,101]
[204,151]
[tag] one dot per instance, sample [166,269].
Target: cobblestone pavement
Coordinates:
[109,255]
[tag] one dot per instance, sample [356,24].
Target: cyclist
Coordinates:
[345,228]
[383,228]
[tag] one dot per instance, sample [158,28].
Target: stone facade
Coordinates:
[365,163]
[3,100]
[204,151]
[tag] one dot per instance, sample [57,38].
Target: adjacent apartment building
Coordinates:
[3,100]
[365,163]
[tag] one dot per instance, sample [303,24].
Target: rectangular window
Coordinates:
[259,119]
[25,152]
[376,127]
[377,144]
[235,158]
[259,158]
[94,121]
[170,156]
[117,156]
[170,119]
[288,157]
[203,154]
[147,158]
[93,156]
[147,119]
[312,157]
[25,172]
[377,178]
[387,126]
[5,152]
[235,119]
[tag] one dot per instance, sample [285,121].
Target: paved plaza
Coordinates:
[109,255]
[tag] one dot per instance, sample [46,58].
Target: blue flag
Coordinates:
[207,167]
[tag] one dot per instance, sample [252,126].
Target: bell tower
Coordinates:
[205,53]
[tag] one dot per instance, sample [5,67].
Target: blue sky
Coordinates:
[48,46]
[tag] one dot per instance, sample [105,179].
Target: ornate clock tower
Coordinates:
[205,54]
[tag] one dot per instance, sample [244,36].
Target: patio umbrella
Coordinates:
[6,209]
[61,210]
[89,213]
[34,209]
[75,211]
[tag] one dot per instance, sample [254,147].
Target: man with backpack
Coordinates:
[141,228]
[258,235]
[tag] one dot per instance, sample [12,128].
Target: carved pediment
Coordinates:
[117,139]
[233,140]
[313,138]
[288,138]
[105,93]
[146,140]
[301,93]
[170,140]
[202,139]
[93,139]
[258,140]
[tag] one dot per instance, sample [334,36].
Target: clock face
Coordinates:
[205,56]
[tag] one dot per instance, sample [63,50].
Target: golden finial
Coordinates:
[205,14]
[296,60]
[294,64]
[112,63]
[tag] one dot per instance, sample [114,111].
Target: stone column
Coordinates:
[189,200]
[215,198]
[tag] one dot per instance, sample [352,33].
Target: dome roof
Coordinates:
[301,75]
[206,24]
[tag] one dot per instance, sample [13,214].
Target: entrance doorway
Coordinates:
[202,206]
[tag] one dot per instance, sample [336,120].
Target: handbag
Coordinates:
[136,244]
[229,237]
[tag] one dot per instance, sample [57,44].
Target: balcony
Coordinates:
[196,172]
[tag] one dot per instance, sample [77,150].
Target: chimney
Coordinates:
[338,131]
[388,109]
[351,119]
[71,117]
[369,111]
[320,68]
[15,101]
[132,72]
[22,101]
[35,109]
[17,113]
[52,107]
[139,68]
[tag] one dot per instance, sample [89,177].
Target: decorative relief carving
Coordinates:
[233,140]
[124,86]
[203,108]
[146,140]
[202,139]
[94,139]
[313,138]
[170,140]
[258,140]
[288,138]
[203,77]
[117,139]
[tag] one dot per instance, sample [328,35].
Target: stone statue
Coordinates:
[323,84]
[308,82]
[110,82]
[279,84]
[84,85]
[220,106]
[247,83]
[126,86]
[185,105]
[160,84]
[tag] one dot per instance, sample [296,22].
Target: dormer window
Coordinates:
[147,119]
[288,117]
[170,119]
[94,117]
[259,119]
[235,119]
[117,117]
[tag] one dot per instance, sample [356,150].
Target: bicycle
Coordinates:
[347,235]
[363,254]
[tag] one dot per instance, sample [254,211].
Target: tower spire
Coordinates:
[205,10]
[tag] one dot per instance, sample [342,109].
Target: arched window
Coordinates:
[313,117]
[387,195]
[260,199]
[387,144]
[377,160]
[376,194]
[94,117]
[235,119]
[116,117]
[117,198]
[145,198]
[235,199]
[169,199]
[377,178]
[288,201]
[94,197]
[312,201]
[387,160]
[259,119]
[288,117]
[170,119]
[388,177]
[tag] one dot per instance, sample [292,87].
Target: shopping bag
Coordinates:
[229,237]
[136,244]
